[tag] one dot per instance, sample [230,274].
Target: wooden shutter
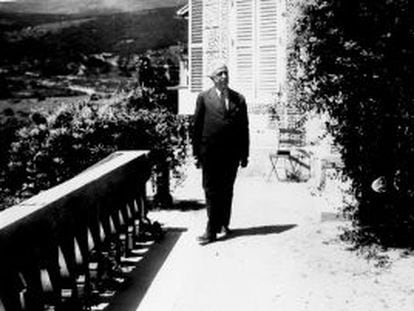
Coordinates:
[196,45]
[242,76]
[267,49]
[255,49]
[211,35]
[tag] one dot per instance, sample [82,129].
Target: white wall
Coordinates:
[186,101]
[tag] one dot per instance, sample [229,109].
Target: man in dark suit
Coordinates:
[220,145]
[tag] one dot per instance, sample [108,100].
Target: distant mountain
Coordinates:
[48,43]
[84,6]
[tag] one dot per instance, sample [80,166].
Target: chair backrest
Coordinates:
[291,138]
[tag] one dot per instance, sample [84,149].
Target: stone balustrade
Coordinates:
[62,249]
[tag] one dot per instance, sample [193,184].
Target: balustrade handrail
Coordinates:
[47,242]
[49,196]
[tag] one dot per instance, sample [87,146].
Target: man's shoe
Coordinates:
[226,231]
[206,239]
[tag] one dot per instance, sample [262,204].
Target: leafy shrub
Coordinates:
[10,122]
[353,59]
[58,144]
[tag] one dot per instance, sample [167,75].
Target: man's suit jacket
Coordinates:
[221,131]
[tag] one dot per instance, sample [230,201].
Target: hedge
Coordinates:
[354,60]
[57,144]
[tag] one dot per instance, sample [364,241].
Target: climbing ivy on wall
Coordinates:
[354,60]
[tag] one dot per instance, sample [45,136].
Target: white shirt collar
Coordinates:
[226,96]
[226,93]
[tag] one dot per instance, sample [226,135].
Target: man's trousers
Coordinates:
[219,173]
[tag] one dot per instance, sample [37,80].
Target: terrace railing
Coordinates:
[62,249]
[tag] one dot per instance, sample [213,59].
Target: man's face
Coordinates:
[221,79]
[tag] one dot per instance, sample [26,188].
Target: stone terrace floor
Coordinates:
[281,256]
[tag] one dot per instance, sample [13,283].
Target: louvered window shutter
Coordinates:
[242,76]
[196,45]
[267,49]
[256,49]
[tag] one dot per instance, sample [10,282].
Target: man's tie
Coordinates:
[223,101]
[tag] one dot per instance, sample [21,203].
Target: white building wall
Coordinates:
[250,35]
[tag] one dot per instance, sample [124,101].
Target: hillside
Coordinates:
[34,48]
[68,38]
[85,6]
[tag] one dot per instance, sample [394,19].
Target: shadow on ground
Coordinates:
[139,280]
[188,205]
[263,230]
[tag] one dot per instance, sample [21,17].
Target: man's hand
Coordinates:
[244,162]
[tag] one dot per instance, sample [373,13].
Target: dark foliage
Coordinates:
[56,145]
[358,65]
[10,122]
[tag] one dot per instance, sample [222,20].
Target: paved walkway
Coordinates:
[281,256]
[253,268]
[245,271]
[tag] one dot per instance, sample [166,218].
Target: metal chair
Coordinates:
[290,158]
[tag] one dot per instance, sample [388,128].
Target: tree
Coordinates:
[353,59]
